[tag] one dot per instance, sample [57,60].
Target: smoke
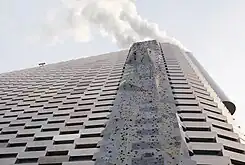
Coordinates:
[117,19]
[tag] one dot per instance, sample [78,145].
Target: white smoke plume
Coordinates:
[117,19]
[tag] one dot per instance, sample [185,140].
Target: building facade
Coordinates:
[151,105]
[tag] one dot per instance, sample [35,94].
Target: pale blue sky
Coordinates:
[212,29]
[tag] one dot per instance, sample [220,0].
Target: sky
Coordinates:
[212,29]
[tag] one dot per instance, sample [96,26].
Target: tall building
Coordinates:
[151,105]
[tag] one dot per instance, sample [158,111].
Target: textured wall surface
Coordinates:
[143,127]
[147,106]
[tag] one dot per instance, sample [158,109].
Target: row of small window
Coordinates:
[216,146]
[83,105]
[53,128]
[62,90]
[55,94]
[200,132]
[194,82]
[195,125]
[94,124]
[62,78]
[105,92]
[49,81]
[195,118]
[182,87]
[75,158]
[204,133]
[183,99]
[181,83]
[57,115]
[200,115]
[65,111]
[65,137]
[220,124]
[63,85]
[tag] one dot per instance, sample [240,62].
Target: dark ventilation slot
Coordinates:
[25,135]
[37,148]
[95,89]
[33,127]
[4,122]
[181,111]
[84,104]
[68,103]
[197,129]
[90,135]
[193,119]
[39,119]
[65,108]
[9,132]
[214,118]
[89,94]
[4,140]
[49,129]
[208,140]
[236,162]
[64,142]
[62,114]
[17,110]
[183,98]
[55,102]
[45,113]
[43,138]
[82,110]
[227,138]
[98,118]
[56,153]
[56,121]
[27,160]
[16,145]
[69,132]
[108,94]
[202,92]
[10,116]
[234,149]
[90,98]
[180,104]
[95,126]
[202,97]
[103,105]
[109,99]
[81,146]
[16,124]
[101,111]
[78,116]
[202,102]
[74,124]
[207,152]
[199,88]
[8,155]
[209,110]
[81,158]
[36,106]
[182,92]
[223,128]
